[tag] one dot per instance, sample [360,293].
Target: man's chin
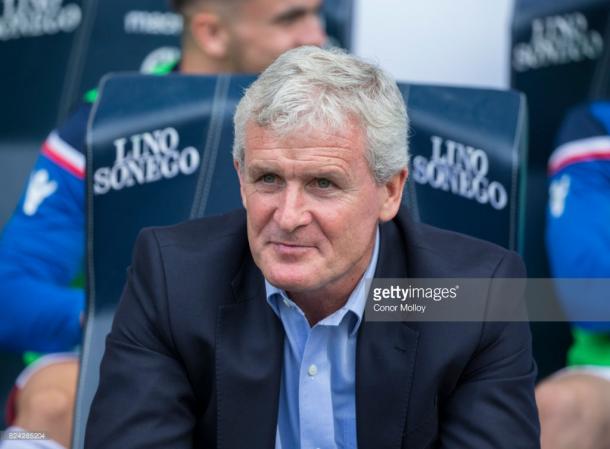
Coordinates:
[291,282]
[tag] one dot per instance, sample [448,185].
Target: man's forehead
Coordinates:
[349,136]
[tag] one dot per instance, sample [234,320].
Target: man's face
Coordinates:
[312,207]
[264,29]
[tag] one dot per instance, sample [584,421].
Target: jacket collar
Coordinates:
[249,343]
[249,350]
[385,359]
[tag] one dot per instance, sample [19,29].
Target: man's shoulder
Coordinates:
[196,255]
[582,142]
[442,240]
[446,253]
[204,232]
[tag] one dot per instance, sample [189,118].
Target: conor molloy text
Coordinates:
[386,298]
[413,299]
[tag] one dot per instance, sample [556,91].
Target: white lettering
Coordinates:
[32,18]
[557,40]
[461,170]
[158,58]
[153,22]
[144,158]
[39,188]
[558,192]
[101,181]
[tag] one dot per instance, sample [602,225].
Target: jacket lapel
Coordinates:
[385,359]
[248,365]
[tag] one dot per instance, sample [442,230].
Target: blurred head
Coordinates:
[245,36]
[321,153]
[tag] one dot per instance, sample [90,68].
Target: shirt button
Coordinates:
[313,370]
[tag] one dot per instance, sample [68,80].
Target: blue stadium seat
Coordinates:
[557,61]
[189,119]
[47,71]
[51,70]
[559,58]
[187,122]
[467,156]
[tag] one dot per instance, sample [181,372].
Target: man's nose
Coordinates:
[292,212]
[312,32]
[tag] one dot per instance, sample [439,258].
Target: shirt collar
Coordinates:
[355,303]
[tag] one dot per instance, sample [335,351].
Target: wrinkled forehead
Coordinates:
[348,135]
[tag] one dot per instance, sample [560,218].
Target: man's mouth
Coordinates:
[290,249]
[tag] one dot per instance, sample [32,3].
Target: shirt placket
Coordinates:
[315,400]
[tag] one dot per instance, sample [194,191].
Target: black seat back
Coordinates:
[49,68]
[467,156]
[556,60]
[559,58]
[182,126]
[52,53]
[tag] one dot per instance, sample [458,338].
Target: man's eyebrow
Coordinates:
[330,172]
[296,12]
[255,169]
[333,173]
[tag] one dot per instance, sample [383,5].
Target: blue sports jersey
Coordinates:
[42,248]
[578,216]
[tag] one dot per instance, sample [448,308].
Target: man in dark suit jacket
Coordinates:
[247,330]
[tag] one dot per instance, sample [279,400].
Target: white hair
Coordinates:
[309,87]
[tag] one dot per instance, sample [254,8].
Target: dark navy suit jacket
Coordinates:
[194,358]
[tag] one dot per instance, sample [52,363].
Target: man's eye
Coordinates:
[268,179]
[323,183]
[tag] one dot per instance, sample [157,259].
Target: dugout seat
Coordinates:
[52,69]
[467,153]
[137,117]
[559,58]
[48,70]
[141,118]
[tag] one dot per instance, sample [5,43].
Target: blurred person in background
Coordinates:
[42,246]
[574,403]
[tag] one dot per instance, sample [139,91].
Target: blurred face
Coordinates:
[264,29]
[313,207]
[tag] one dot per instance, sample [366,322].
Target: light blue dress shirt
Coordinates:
[317,406]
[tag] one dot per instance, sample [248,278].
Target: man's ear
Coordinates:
[392,195]
[240,175]
[210,34]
